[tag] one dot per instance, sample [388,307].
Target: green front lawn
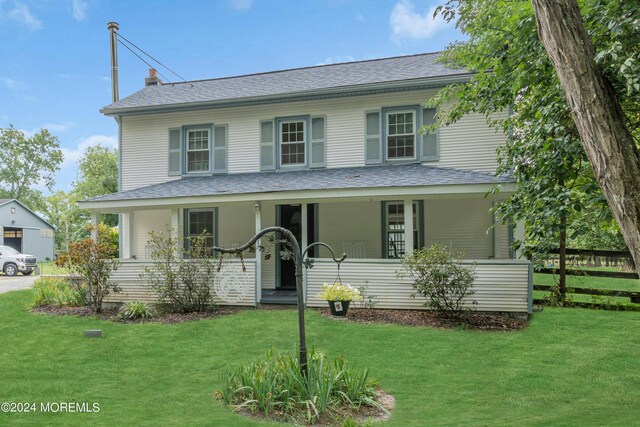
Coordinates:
[589,282]
[569,367]
[50,267]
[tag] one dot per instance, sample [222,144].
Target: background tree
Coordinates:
[26,162]
[97,175]
[554,180]
[61,210]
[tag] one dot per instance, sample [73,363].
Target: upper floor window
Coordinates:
[391,135]
[292,142]
[198,150]
[401,138]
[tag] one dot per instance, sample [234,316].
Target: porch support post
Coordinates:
[175,224]
[125,230]
[408,226]
[258,211]
[518,234]
[131,238]
[304,241]
[94,225]
[497,229]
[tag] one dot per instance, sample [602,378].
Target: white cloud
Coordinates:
[21,13]
[241,4]
[71,156]
[79,8]
[336,60]
[406,23]
[58,127]
[12,84]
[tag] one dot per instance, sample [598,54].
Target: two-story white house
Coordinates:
[332,153]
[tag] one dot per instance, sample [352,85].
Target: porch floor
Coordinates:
[279,296]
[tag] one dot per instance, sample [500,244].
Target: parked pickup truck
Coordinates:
[12,262]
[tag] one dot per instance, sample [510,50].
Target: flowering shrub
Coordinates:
[339,292]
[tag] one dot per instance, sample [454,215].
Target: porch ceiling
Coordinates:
[321,183]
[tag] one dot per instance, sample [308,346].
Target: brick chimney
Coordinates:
[153,79]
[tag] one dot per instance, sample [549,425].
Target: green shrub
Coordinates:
[136,310]
[277,388]
[439,276]
[58,291]
[182,271]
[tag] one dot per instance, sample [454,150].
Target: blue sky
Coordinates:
[54,54]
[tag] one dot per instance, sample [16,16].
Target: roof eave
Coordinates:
[391,191]
[333,92]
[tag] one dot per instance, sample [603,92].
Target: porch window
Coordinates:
[292,142]
[197,150]
[201,222]
[401,138]
[393,212]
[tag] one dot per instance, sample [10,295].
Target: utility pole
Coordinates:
[113,28]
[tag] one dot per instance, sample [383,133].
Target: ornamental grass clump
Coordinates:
[276,388]
[59,292]
[135,310]
[339,292]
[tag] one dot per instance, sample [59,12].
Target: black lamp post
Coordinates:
[298,261]
[298,258]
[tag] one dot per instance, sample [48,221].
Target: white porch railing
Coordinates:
[135,289]
[500,285]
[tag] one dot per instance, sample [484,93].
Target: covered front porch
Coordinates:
[374,227]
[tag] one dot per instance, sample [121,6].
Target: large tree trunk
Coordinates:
[596,111]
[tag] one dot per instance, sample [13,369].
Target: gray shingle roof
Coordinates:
[286,83]
[411,175]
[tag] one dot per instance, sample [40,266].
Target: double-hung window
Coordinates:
[394,241]
[197,150]
[392,135]
[401,135]
[201,224]
[292,135]
[293,143]
[197,147]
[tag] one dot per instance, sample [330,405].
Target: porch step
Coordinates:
[282,297]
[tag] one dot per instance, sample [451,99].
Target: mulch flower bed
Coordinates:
[475,321]
[112,314]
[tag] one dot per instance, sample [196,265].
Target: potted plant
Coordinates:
[339,296]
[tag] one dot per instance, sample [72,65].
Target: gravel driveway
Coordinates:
[16,283]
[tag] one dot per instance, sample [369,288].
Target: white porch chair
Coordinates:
[354,250]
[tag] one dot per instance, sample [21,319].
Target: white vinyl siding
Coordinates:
[127,276]
[350,222]
[468,144]
[460,224]
[500,285]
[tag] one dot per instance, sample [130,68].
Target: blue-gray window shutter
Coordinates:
[430,150]
[267,145]
[220,149]
[175,152]
[373,140]
[318,142]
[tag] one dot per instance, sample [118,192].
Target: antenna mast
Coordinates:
[113,28]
